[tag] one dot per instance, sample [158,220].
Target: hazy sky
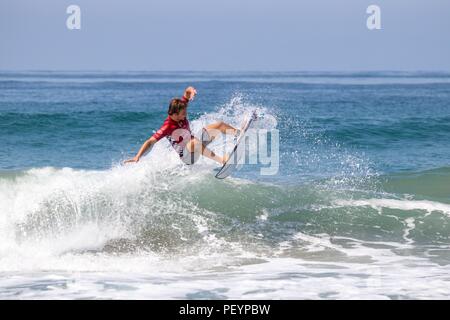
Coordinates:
[288,35]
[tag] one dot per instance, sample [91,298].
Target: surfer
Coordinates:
[177,130]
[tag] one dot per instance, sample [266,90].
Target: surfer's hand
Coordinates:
[190,93]
[135,159]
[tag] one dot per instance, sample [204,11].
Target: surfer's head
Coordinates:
[177,109]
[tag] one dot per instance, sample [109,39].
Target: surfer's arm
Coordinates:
[189,94]
[147,144]
[158,135]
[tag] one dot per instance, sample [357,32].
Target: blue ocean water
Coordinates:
[361,197]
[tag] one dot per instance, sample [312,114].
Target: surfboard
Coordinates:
[230,165]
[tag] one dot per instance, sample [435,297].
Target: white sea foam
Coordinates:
[279,278]
[425,205]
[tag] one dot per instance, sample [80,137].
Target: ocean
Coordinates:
[359,207]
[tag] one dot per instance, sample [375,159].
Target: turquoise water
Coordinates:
[361,198]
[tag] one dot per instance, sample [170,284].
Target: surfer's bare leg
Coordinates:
[217,128]
[196,146]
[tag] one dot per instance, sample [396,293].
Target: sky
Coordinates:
[225,35]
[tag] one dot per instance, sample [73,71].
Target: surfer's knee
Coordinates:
[216,125]
[222,125]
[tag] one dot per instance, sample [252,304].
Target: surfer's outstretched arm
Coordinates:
[147,144]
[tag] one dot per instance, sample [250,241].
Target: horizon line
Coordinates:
[233,71]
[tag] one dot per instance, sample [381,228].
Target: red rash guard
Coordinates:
[177,138]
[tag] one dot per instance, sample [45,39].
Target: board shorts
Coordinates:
[189,158]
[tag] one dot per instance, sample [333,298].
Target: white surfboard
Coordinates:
[232,163]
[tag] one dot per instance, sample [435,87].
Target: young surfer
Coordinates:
[177,130]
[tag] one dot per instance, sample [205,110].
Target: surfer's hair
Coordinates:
[176,105]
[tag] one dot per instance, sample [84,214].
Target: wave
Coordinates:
[433,184]
[151,205]
[415,129]
[58,116]
[76,122]
[406,205]
[163,207]
[169,208]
